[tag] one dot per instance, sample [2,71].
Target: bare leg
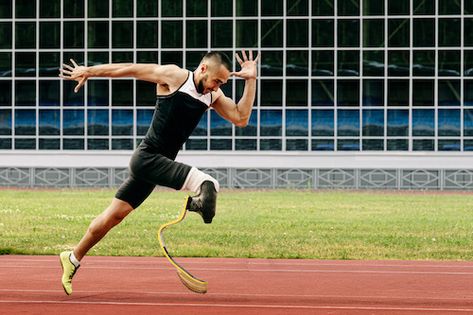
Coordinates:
[100,226]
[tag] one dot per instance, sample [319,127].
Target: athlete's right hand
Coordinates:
[76,73]
[248,66]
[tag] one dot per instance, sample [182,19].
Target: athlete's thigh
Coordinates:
[159,170]
[134,191]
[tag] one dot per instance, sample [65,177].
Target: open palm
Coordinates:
[248,65]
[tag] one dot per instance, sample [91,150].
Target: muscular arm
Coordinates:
[160,74]
[145,72]
[239,114]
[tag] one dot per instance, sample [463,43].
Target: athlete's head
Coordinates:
[213,71]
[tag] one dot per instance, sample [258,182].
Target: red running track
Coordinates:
[137,285]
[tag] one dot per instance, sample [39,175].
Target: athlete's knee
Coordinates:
[114,218]
[97,227]
[117,211]
[113,215]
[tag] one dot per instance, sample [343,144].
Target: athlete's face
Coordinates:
[213,76]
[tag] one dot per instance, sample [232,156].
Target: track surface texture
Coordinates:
[139,285]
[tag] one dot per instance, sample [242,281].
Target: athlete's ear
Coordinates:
[203,68]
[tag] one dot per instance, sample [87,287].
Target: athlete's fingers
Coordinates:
[257,58]
[251,54]
[64,76]
[238,59]
[66,72]
[73,62]
[67,67]
[243,53]
[79,85]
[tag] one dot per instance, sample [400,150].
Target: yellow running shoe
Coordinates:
[68,271]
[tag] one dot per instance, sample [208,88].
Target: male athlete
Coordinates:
[182,98]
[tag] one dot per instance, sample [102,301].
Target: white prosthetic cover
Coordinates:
[195,178]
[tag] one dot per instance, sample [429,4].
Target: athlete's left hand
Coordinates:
[76,73]
[248,66]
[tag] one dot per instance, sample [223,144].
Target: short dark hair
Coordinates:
[220,57]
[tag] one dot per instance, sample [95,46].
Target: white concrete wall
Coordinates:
[267,159]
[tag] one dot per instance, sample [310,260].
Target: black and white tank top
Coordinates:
[175,117]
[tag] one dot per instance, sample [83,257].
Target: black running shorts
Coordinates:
[148,169]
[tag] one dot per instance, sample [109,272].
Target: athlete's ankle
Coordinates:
[74,260]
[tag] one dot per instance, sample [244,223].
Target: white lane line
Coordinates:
[251,270]
[249,306]
[259,295]
[248,262]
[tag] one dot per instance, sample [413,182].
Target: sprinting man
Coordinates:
[183,97]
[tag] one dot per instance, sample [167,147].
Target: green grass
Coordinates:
[271,224]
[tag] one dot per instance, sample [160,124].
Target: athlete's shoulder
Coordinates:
[173,75]
[173,71]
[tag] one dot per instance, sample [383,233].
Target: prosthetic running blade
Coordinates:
[192,283]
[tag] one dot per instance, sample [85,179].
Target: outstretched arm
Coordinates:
[146,72]
[239,114]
